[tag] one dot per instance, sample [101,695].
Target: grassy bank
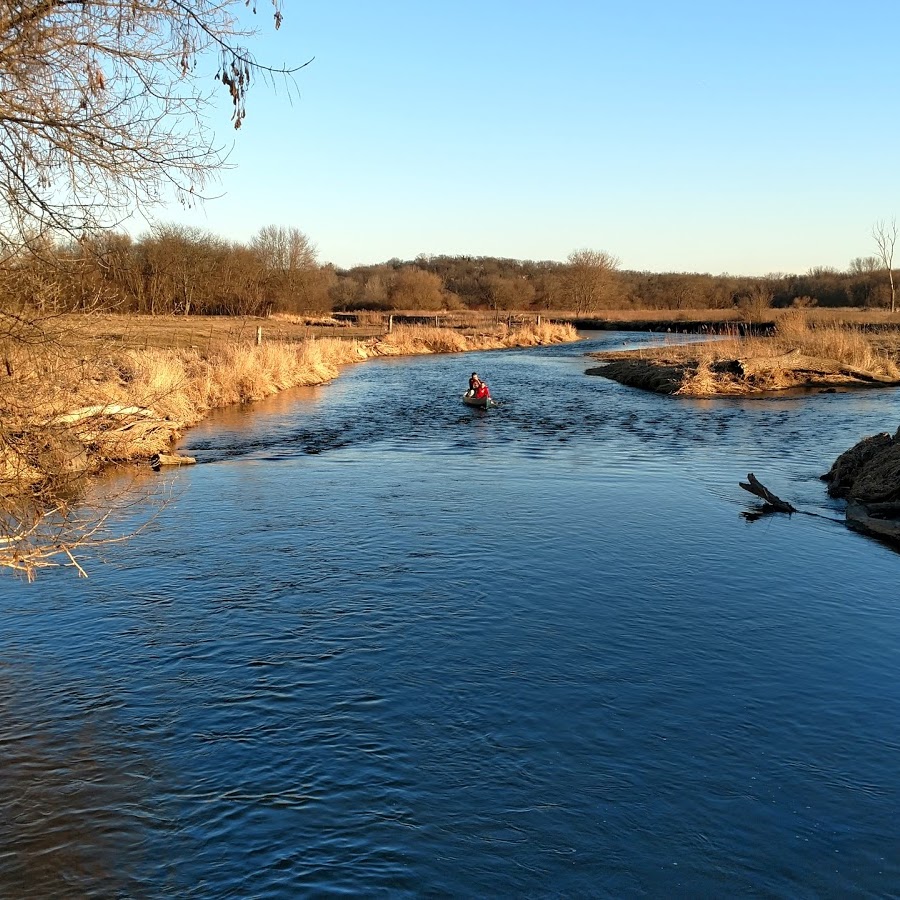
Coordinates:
[805,351]
[209,333]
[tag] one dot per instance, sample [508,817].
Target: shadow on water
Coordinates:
[74,792]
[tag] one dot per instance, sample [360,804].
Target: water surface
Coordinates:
[379,643]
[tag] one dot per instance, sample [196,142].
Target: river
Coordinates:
[380,644]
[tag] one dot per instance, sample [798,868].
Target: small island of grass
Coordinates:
[800,354]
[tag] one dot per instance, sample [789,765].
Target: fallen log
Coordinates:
[796,361]
[158,460]
[775,503]
[113,410]
[881,520]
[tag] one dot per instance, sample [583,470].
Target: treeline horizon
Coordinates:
[181,270]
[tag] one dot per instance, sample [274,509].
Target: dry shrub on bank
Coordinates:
[533,335]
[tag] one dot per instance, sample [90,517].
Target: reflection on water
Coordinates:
[381,643]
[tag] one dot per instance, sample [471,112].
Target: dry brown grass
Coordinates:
[406,339]
[845,343]
[796,330]
[533,335]
[707,368]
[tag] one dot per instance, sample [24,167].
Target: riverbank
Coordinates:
[867,476]
[75,407]
[801,353]
[730,322]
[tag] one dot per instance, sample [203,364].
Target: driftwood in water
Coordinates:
[761,491]
[799,362]
[158,460]
[878,519]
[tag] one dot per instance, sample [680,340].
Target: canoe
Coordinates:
[480,402]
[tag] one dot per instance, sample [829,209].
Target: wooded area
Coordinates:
[183,271]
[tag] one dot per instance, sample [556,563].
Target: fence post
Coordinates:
[390,323]
[258,335]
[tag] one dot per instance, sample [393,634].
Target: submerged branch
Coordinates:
[775,503]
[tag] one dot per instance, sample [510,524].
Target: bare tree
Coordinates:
[588,278]
[295,280]
[103,106]
[415,289]
[284,249]
[864,265]
[510,293]
[757,302]
[885,236]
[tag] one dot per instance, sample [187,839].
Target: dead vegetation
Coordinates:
[801,353]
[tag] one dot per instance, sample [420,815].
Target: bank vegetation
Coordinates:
[800,353]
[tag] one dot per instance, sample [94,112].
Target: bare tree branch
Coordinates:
[885,236]
[103,108]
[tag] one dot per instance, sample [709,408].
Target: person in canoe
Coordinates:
[477,388]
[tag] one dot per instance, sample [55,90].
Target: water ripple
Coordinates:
[382,644]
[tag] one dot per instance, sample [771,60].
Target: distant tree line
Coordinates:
[173,270]
[188,271]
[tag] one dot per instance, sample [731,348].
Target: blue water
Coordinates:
[380,644]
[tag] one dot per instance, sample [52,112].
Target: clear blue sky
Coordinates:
[693,136]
